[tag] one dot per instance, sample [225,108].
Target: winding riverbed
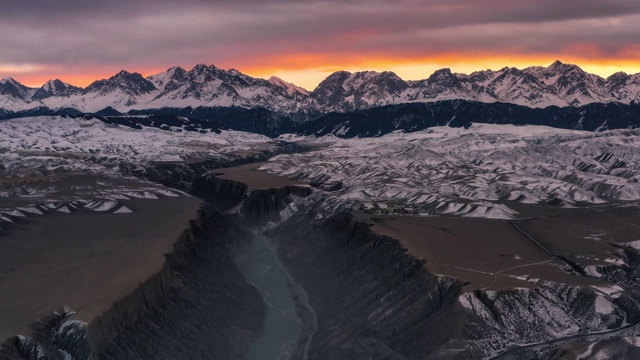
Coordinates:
[282,327]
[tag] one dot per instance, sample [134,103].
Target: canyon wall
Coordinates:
[199,304]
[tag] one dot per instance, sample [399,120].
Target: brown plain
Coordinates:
[84,260]
[254,178]
[488,254]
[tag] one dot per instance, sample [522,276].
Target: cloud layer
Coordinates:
[77,38]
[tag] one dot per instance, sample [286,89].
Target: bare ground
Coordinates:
[492,255]
[84,260]
[254,178]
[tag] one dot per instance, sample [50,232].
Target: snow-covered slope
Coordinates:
[14,96]
[122,91]
[472,173]
[38,140]
[559,84]
[291,89]
[477,172]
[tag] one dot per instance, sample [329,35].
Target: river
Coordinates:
[282,327]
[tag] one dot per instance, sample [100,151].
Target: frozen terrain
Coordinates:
[55,164]
[43,138]
[475,172]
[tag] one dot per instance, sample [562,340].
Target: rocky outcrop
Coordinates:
[264,206]
[222,194]
[55,337]
[252,207]
[530,316]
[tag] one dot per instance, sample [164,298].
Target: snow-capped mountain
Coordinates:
[623,87]
[14,95]
[208,86]
[123,90]
[55,88]
[343,91]
[559,84]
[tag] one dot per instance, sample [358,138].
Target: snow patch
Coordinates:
[123,210]
[603,306]
[613,291]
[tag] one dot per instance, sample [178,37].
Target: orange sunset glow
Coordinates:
[304,42]
[307,70]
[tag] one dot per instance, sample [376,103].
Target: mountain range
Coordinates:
[559,84]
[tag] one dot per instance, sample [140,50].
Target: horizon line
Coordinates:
[150,73]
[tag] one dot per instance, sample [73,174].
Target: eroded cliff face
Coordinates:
[626,274]
[221,194]
[373,301]
[183,175]
[252,208]
[199,304]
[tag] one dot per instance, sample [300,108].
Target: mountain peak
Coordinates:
[339,73]
[54,83]
[289,87]
[124,74]
[14,89]
[443,75]
[560,66]
[618,76]
[175,68]
[556,63]
[160,80]
[9,80]
[55,87]
[202,68]
[132,84]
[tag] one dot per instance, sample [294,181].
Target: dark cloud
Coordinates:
[160,33]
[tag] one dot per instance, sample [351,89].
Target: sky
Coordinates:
[300,41]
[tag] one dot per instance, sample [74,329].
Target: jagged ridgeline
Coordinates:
[345,104]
